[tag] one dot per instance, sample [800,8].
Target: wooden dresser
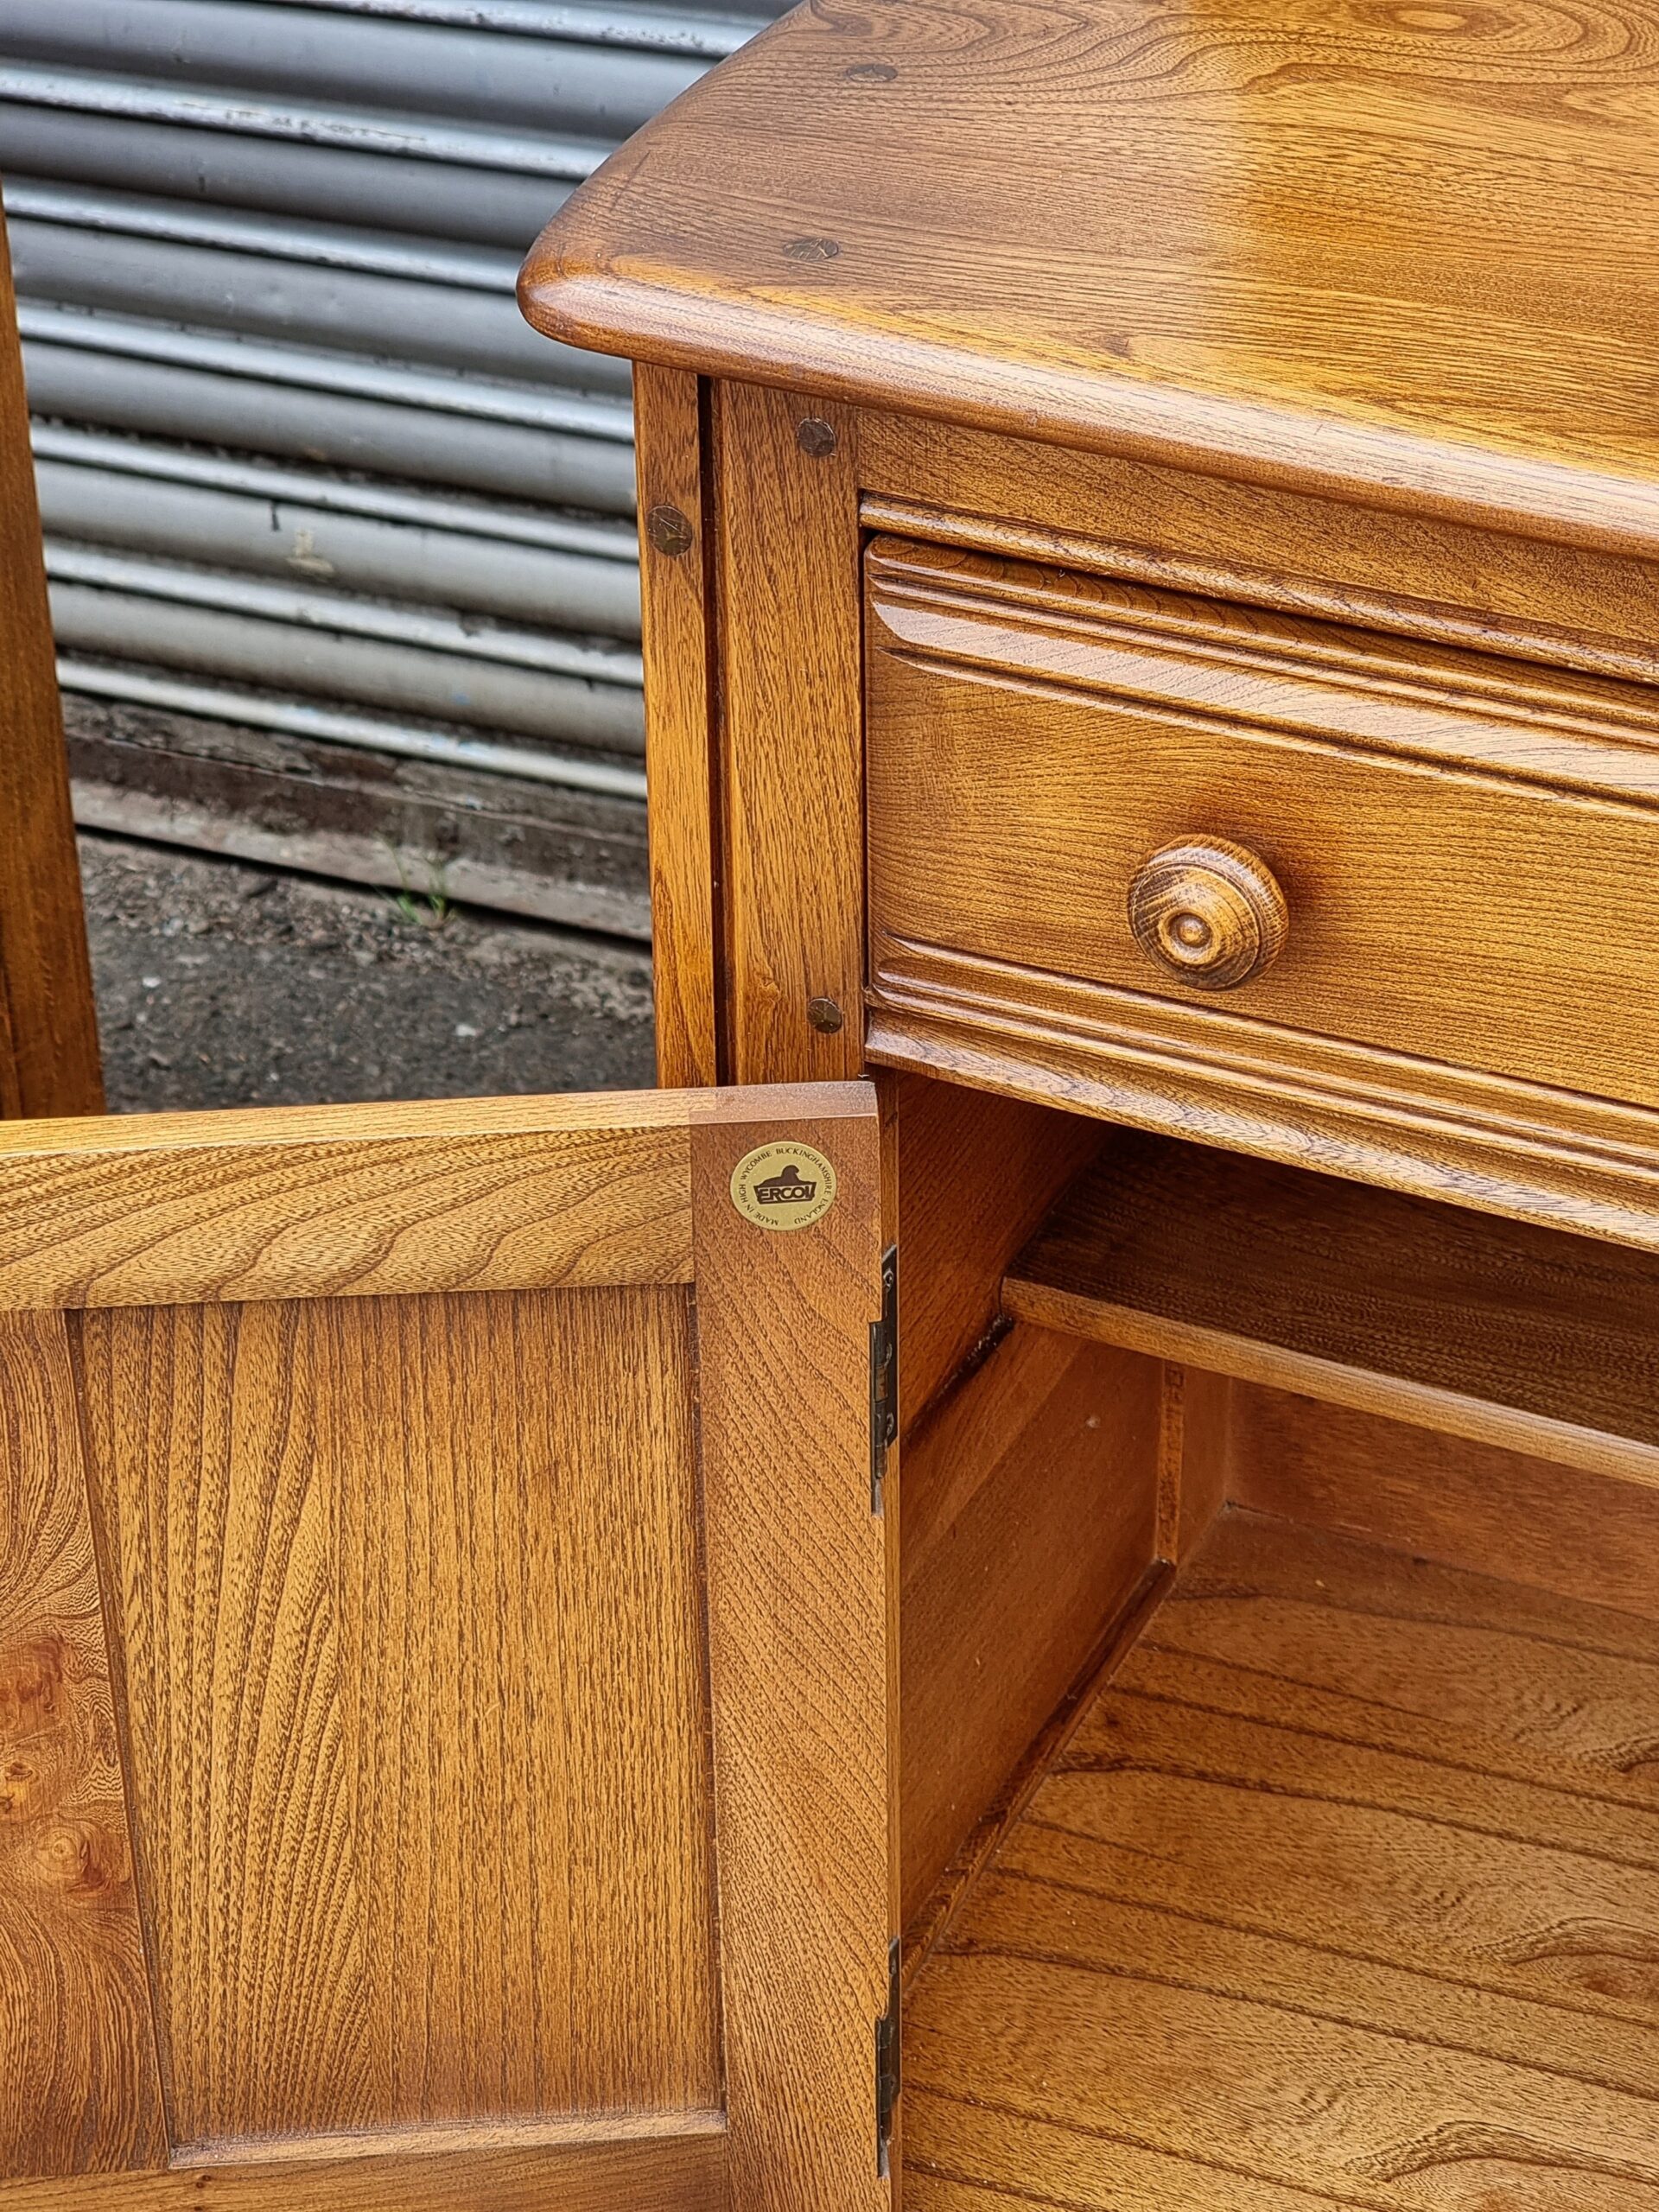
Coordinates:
[1150,521]
[1073,1627]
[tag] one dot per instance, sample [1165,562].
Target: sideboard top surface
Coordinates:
[1402,249]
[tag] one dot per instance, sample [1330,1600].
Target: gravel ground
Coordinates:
[224,985]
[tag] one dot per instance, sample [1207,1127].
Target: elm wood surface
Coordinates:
[1209,912]
[976,1176]
[1495,1330]
[684,2173]
[466,1633]
[1342,1892]
[1277,247]
[1177,1062]
[1452,839]
[379,1891]
[1419,575]
[1196,1464]
[1219,1078]
[1030,1523]
[1525,1520]
[48,1027]
[676,592]
[77,2048]
[790,738]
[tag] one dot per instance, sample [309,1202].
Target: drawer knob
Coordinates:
[1208,912]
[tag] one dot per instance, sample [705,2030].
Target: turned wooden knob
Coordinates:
[1208,912]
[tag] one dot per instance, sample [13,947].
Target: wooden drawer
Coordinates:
[1468,849]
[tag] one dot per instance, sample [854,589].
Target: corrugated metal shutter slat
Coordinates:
[297,453]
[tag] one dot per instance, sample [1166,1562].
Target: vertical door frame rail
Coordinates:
[381,1202]
[754,729]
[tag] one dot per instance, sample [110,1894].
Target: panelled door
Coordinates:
[443,1678]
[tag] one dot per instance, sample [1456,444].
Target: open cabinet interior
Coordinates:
[1279,1784]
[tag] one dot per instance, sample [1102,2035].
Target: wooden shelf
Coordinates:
[1490,1329]
[1345,1892]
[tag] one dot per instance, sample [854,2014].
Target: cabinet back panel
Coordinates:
[1443,1498]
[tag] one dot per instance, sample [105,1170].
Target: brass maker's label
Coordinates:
[783,1186]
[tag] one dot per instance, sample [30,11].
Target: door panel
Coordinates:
[378,1899]
[467,1644]
[79,2091]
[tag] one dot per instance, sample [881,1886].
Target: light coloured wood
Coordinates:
[1342,1891]
[1264,671]
[676,579]
[1216,1078]
[311,1202]
[353,1216]
[1208,912]
[976,1176]
[1279,246]
[791,748]
[79,2089]
[798,1568]
[1497,1331]
[1471,1505]
[49,1024]
[1417,575]
[1034,737]
[1284,1622]
[647,2170]
[1196,1457]
[1030,1517]
[406,1594]
[501,1685]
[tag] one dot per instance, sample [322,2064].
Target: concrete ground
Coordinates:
[223,984]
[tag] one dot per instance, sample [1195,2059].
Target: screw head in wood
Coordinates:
[815,436]
[811,248]
[669,530]
[870,72]
[825,1015]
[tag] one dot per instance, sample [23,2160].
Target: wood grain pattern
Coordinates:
[792,761]
[976,1176]
[676,583]
[1196,1458]
[647,2170]
[1498,1330]
[49,1025]
[1472,1506]
[79,2089]
[502,1690]
[1030,1512]
[1342,1892]
[1419,575]
[406,1593]
[1033,738]
[349,1201]
[1208,912]
[1254,669]
[1210,1075]
[1281,246]
[798,1569]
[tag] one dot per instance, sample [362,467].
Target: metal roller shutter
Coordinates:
[302,466]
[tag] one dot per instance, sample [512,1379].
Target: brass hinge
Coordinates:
[888,2079]
[884,1377]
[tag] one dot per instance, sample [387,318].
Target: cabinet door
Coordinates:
[444,1684]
